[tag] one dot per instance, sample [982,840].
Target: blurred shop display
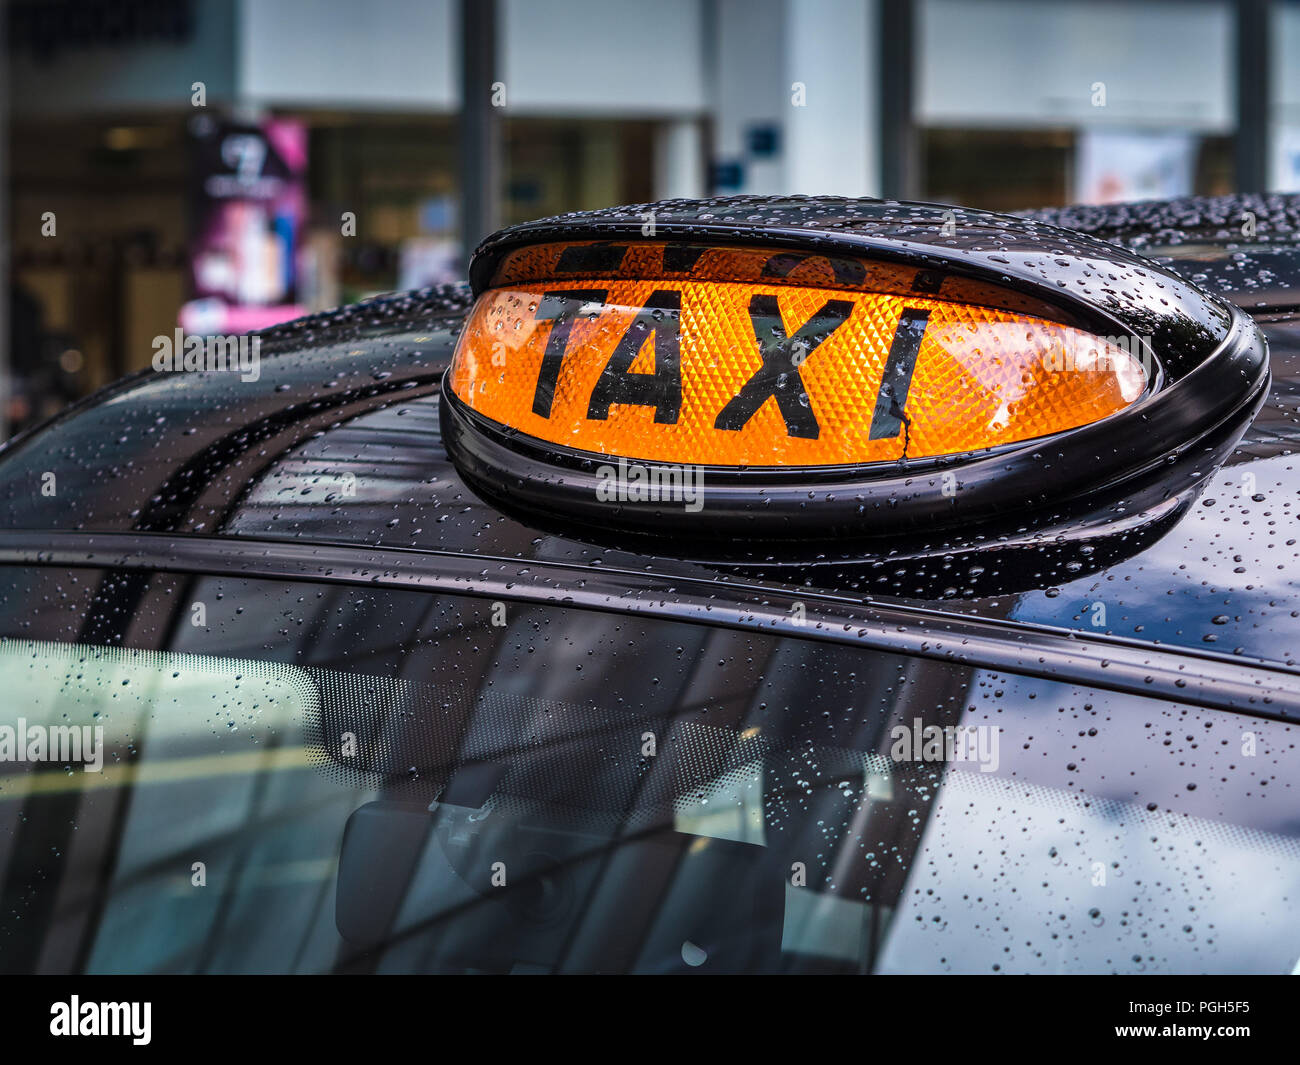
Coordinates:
[429,261]
[249,208]
[434,257]
[1286,176]
[1113,166]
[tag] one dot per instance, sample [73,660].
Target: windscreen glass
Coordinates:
[202,774]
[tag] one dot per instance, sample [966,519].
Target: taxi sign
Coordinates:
[772,361]
[744,374]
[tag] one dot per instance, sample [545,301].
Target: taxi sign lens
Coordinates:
[752,374]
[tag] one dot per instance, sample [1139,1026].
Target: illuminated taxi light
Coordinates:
[730,373]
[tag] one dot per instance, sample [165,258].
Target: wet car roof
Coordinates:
[1242,246]
[338,442]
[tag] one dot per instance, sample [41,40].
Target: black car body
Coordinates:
[359,718]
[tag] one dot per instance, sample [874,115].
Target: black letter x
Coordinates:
[779,374]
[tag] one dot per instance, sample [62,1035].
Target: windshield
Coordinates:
[203,774]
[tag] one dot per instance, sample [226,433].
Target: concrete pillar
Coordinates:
[751,92]
[832,106]
[480,126]
[679,160]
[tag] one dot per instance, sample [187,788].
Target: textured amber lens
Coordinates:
[751,374]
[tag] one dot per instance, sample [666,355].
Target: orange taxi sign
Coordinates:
[772,371]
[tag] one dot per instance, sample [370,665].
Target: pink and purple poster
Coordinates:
[249,207]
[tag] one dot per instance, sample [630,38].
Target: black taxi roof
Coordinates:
[330,465]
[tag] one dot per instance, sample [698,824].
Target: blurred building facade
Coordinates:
[1002,104]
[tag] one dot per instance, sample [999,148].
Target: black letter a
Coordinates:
[661,389]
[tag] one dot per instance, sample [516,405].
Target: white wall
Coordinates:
[630,58]
[1033,63]
[568,58]
[680,161]
[558,57]
[386,54]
